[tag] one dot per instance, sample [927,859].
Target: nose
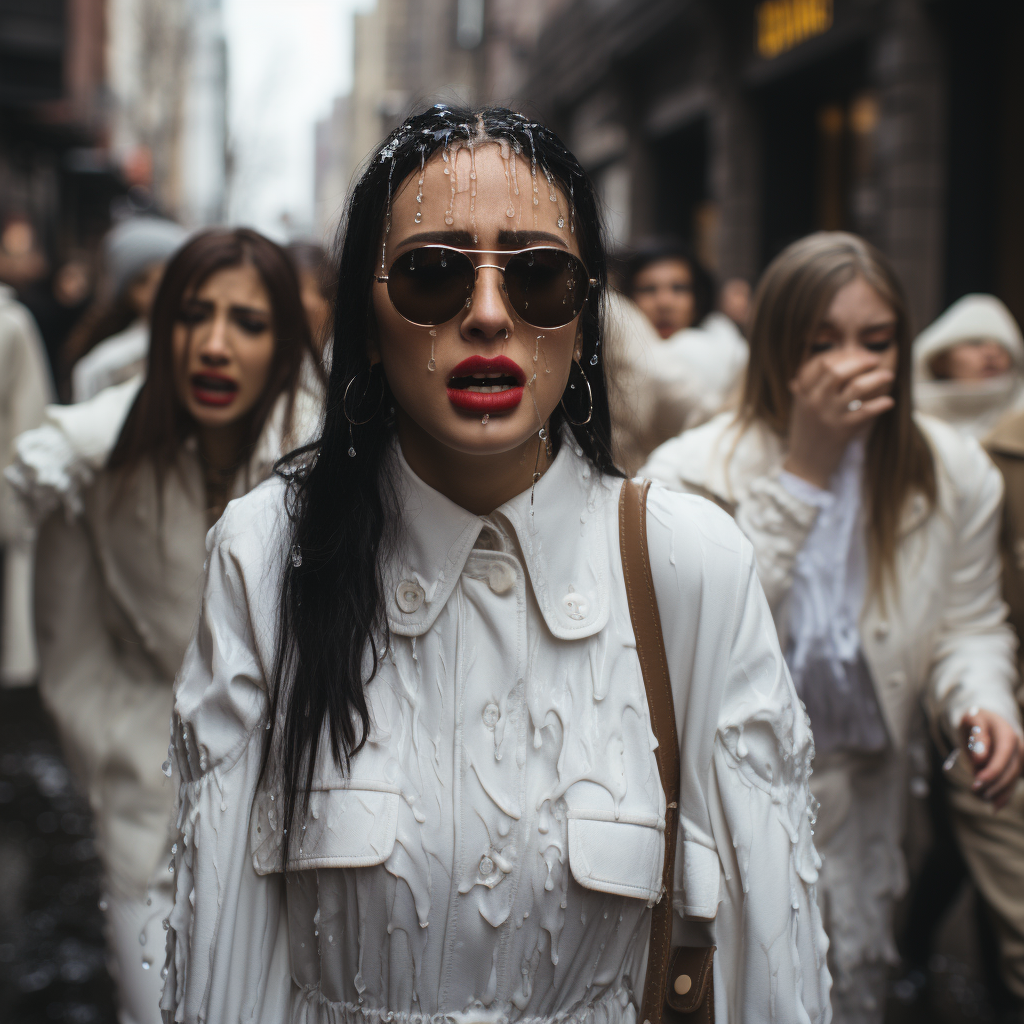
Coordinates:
[213,348]
[488,318]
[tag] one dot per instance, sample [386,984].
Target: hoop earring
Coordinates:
[590,399]
[344,407]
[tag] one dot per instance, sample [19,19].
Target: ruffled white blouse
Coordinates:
[494,850]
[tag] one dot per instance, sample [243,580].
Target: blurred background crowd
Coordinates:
[717,133]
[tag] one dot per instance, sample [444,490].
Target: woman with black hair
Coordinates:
[419,775]
[125,487]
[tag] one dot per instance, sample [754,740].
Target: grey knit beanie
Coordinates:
[133,245]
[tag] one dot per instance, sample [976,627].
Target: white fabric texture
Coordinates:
[25,388]
[118,579]
[972,406]
[657,387]
[941,636]
[113,361]
[493,851]
[829,579]
[135,943]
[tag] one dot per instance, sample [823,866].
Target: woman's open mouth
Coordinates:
[213,389]
[485,385]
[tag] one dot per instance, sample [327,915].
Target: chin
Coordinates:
[501,433]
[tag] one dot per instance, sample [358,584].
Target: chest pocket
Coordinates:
[351,825]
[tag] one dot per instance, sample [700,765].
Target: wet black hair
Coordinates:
[674,249]
[344,511]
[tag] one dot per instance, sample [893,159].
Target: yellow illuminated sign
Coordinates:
[783,24]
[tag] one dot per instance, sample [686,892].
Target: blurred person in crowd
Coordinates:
[993,845]
[419,778]
[646,407]
[57,302]
[876,536]
[734,302]
[110,343]
[22,262]
[969,365]
[316,279]
[25,390]
[125,487]
[697,369]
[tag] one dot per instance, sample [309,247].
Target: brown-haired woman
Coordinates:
[875,533]
[126,486]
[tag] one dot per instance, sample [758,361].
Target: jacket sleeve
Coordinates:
[745,855]
[227,944]
[776,521]
[973,660]
[772,941]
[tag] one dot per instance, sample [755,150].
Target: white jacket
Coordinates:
[25,389]
[494,850]
[941,636]
[118,575]
[973,406]
[657,387]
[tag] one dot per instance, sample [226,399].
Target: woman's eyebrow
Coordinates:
[522,239]
[256,310]
[460,239]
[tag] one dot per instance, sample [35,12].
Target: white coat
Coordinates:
[941,636]
[25,389]
[657,387]
[494,850]
[118,576]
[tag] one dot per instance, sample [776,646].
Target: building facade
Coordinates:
[406,53]
[742,125]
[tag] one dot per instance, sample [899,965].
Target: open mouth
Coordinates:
[212,389]
[485,385]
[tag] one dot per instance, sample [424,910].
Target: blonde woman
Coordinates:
[875,536]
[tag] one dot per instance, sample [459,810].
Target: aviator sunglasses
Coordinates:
[431,284]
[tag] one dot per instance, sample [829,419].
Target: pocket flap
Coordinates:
[698,895]
[624,857]
[346,827]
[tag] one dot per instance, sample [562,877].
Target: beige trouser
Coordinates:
[992,843]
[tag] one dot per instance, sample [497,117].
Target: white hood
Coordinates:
[973,406]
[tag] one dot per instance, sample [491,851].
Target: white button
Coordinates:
[486,866]
[576,605]
[882,630]
[501,577]
[409,596]
[491,715]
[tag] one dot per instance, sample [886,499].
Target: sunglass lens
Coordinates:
[430,285]
[546,287]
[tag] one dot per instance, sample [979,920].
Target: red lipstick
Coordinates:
[213,389]
[483,385]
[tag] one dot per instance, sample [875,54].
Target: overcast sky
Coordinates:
[287,60]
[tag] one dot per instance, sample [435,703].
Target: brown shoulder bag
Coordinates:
[679,988]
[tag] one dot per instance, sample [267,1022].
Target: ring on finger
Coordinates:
[854,405]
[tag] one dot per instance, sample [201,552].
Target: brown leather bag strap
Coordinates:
[650,646]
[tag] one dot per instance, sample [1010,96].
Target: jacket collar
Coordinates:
[562,539]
